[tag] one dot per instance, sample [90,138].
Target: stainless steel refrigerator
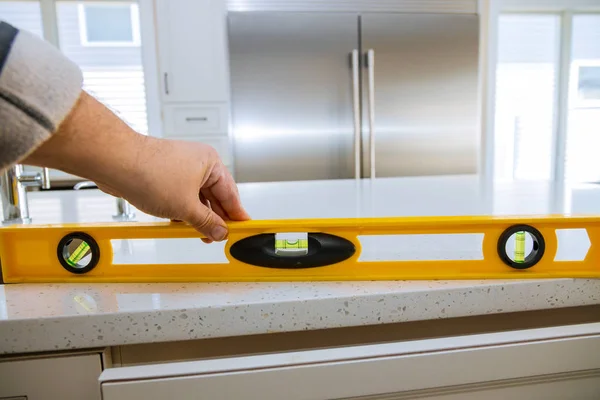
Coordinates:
[336,95]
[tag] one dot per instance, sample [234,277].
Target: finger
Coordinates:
[204,200]
[207,204]
[207,222]
[214,204]
[225,193]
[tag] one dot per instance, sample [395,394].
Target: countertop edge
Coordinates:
[136,327]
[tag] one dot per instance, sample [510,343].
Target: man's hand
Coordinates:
[182,181]
[169,179]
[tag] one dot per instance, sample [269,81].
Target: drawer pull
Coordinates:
[193,119]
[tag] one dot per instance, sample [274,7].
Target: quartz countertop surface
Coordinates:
[46,317]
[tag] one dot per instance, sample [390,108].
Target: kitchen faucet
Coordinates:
[13,192]
[13,195]
[124,209]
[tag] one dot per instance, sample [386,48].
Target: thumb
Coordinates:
[207,222]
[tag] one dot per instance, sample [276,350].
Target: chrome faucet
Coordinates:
[124,209]
[13,192]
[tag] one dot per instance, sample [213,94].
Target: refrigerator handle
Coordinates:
[371,72]
[356,110]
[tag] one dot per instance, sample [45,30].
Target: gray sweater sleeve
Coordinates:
[38,88]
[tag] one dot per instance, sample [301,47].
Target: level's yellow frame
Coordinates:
[28,252]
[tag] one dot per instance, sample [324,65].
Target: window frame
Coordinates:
[135,25]
[492,9]
[577,101]
[558,66]
[147,32]
[564,98]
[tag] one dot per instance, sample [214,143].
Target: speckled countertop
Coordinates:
[55,317]
[52,317]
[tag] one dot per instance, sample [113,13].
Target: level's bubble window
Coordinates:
[77,253]
[520,245]
[291,244]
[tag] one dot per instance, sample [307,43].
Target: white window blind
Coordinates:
[112,68]
[528,59]
[24,15]
[583,129]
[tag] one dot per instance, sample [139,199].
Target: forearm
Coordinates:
[91,142]
[38,88]
[46,118]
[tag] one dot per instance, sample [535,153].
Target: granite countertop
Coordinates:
[44,317]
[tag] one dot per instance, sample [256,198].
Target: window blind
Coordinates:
[25,15]
[583,124]
[112,71]
[528,56]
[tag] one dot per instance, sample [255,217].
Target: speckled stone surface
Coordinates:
[56,317]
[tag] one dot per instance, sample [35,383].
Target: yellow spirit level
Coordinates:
[329,250]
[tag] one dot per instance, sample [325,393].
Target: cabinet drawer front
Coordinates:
[195,120]
[71,377]
[446,365]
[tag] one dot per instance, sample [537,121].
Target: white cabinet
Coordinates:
[549,363]
[192,48]
[72,377]
[194,72]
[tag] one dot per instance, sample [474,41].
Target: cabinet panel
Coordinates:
[445,365]
[53,378]
[192,49]
[567,387]
[550,388]
[195,120]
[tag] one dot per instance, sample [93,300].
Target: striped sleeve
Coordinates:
[38,88]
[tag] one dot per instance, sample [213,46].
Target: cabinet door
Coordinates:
[528,364]
[52,378]
[192,49]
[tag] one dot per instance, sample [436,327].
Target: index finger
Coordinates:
[224,191]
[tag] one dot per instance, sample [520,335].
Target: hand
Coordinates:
[182,181]
[169,179]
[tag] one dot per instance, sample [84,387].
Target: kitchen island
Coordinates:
[138,324]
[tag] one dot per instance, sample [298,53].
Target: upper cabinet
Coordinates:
[192,47]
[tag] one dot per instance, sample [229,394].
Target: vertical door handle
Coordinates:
[356,112]
[371,72]
[166,78]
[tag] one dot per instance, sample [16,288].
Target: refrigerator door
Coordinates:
[294,95]
[423,85]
